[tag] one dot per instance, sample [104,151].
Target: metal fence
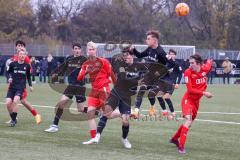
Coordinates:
[63,50]
[219,54]
[38,49]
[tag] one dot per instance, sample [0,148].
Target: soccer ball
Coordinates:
[182,9]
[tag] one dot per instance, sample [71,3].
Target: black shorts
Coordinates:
[149,80]
[77,91]
[14,92]
[122,102]
[163,86]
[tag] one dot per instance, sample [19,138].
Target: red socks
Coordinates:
[93,133]
[178,133]
[34,112]
[183,137]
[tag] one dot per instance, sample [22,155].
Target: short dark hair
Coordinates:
[154,34]
[197,58]
[77,45]
[173,51]
[126,50]
[20,42]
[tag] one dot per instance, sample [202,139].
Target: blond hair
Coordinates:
[91,44]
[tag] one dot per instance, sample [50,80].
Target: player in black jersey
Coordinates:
[19,72]
[70,67]
[129,76]
[155,54]
[167,86]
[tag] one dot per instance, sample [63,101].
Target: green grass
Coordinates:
[206,140]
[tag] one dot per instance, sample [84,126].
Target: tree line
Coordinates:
[210,24]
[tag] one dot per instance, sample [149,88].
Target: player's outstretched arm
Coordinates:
[208,65]
[139,54]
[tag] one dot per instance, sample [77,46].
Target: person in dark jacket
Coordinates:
[43,69]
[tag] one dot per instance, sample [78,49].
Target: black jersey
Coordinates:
[128,75]
[175,73]
[71,68]
[152,55]
[156,71]
[20,73]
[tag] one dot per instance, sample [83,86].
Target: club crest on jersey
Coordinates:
[98,64]
[204,74]
[194,75]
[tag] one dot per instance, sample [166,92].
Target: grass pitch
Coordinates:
[217,139]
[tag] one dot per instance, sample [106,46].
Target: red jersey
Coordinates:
[26,60]
[99,70]
[196,82]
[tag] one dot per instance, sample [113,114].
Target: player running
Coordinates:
[196,82]
[99,70]
[19,72]
[71,68]
[26,104]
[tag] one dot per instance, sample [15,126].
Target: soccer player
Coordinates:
[19,72]
[71,67]
[99,70]
[154,53]
[173,78]
[26,104]
[196,83]
[129,76]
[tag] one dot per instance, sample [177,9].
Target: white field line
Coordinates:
[200,120]
[41,106]
[224,113]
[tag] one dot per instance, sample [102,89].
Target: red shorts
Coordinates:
[97,97]
[190,107]
[24,96]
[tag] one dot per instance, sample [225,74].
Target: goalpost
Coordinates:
[108,50]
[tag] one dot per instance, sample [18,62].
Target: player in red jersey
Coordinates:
[99,70]
[196,82]
[26,104]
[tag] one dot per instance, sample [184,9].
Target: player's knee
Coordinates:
[91,113]
[125,122]
[23,101]
[107,111]
[61,104]
[81,107]
[167,96]
[151,94]
[16,99]
[143,88]
[108,114]
[8,103]
[188,123]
